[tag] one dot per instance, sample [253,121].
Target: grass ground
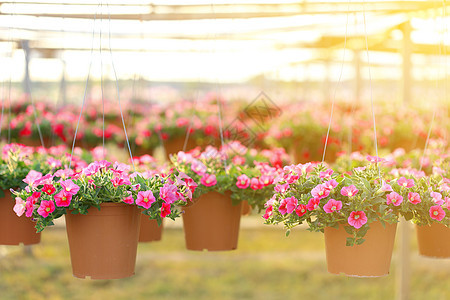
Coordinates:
[267,265]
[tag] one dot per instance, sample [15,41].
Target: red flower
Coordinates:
[165,210]
[26,131]
[48,189]
[301,210]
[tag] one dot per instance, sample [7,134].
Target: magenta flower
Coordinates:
[269,212]
[320,191]
[145,199]
[414,198]
[357,219]
[374,159]
[128,199]
[266,180]
[281,188]
[168,193]
[437,198]
[313,203]
[301,210]
[394,198]
[46,208]
[19,207]
[408,183]
[437,213]
[326,174]
[31,201]
[287,205]
[256,184]
[349,191]
[70,187]
[330,184]
[386,187]
[48,189]
[198,167]
[120,179]
[447,202]
[91,169]
[165,210]
[63,198]
[208,180]
[243,181]
[332,206]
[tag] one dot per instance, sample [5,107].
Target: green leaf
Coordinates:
[359,241]
[288,232]
[350,242]
[349,230]
[2,193]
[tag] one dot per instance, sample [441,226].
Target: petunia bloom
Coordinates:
[357,219]
[48,189]
[349,191]
[313,203]
[326,174]
[287,205]
[243,181]
[332,206]
[128,199]
[19,207]
[63,198]
[256,184]
[414,198]
[320,191]
[301,210]
[330,184]
[269,212]
[46,208]
[168,193]
[437,198]
[165,210]
[208,180]
[70,187]
[437,213]
[198,167]
[407,183]
[394,198]
[145,199]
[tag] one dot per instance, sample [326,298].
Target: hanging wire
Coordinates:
[371,94]
[117,88]
[337,85]
[441,42]
[101,82]
[26,49]
[85,88]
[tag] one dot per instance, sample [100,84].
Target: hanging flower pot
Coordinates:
[176,144]
[246,208]
[15,230]
[370,259]
[212,223]
[434,240]
[150,231]
[103,243]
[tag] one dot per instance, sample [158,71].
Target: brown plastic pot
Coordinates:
[15,230]
[212,223]
[246,208]
[103,243]
[150,231]
[370,259]
[434,240]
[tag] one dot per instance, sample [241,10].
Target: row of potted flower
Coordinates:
[356,201]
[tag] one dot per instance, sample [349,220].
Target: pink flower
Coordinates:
[46,208]
[120,179]
[208,180]
[269,212]
[168,193]
[266,180]
[414,198]
[287,205]
[32,177]
[128,199]
[165,210]
[91,169]
[54,163]
[326,173]
[330,184]
[281,188]
[301,210]
[320,191]
[349,191]
[313,203]
[63,198]
[374,159]
[437,213]
[48,189]
[243,181]
[256,184]
[386,187]
[357,219]
[332,206]
[408,183]
[31,201]
[394,198]
[238,160]
[19,207]
[145,199]
[198,167]
[447,202]
[70,187]
[437,198]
